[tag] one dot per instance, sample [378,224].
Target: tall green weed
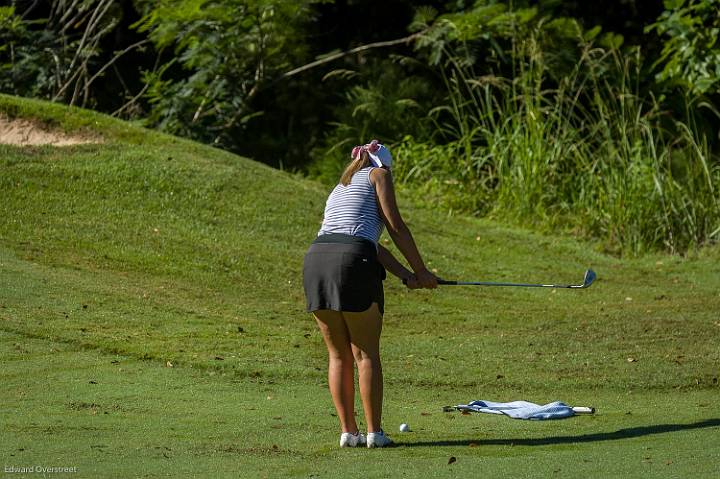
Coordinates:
[586,153]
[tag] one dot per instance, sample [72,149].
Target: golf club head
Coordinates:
[589,278]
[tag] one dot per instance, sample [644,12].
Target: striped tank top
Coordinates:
[353,209]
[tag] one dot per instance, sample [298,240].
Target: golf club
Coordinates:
[587,281]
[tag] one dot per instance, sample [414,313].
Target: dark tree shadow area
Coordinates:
[628,433]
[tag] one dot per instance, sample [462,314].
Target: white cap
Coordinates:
[381,157]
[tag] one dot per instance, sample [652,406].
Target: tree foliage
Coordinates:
[56,57]
[691,50]
[223,53]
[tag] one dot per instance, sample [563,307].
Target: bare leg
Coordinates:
[364,329]
[341,369]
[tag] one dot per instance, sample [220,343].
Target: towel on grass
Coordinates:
[520,409]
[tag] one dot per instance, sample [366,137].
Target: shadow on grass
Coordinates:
[601,436]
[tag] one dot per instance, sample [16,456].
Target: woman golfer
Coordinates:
[342,276]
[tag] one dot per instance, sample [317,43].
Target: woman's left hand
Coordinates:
[411,282]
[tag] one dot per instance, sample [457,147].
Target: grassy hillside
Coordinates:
[123,258]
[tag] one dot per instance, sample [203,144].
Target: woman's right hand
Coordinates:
[426,279]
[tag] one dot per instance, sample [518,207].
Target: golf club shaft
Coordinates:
[487,283]
[588,280]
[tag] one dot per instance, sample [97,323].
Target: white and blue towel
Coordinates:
[520,409]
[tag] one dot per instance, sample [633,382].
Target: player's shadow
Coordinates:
[596,437]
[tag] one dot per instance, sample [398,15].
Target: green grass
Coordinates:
[122,258]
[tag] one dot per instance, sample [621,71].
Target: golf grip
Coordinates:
[440,281]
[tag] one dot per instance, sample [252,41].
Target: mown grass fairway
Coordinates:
[152,324]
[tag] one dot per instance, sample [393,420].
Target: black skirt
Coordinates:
[341,272]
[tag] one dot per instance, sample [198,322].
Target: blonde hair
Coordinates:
[357,164]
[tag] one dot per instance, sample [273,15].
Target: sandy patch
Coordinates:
[27,132]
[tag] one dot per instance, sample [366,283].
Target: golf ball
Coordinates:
[404,427]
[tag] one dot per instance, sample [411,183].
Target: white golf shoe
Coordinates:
[352,440]
[379,439]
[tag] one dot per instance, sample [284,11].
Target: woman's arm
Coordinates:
[398,230]
[391,264]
